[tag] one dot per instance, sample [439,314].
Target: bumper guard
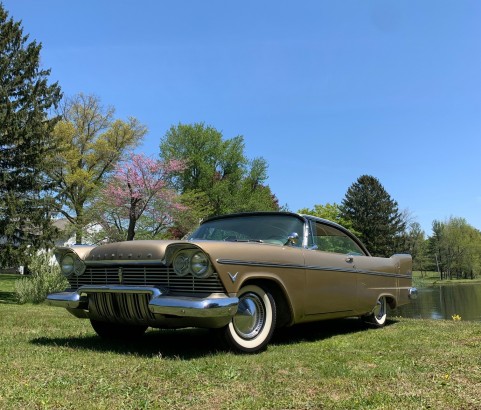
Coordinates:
[160,302]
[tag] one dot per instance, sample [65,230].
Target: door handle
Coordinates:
[349,259]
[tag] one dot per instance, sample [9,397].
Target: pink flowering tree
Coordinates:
[139,197]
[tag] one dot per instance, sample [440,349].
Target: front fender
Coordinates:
[81,250]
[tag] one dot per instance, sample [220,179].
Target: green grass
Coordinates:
[51,360]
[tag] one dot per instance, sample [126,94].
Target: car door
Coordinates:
[331,277]
[330,284]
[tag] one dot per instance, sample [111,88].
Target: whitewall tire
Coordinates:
[251,328]
[379,314]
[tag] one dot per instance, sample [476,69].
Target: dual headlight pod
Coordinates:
[191,261]
[71,264]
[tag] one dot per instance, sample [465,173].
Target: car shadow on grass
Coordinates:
[321,330]
[191,343]
[183,344]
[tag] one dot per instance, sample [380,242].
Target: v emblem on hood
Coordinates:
[233,276]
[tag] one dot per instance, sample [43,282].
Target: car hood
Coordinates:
[163,250]
[135,251]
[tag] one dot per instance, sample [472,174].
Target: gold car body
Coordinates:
[232,274]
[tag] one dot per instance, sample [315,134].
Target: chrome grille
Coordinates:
[147,275]
[121,307]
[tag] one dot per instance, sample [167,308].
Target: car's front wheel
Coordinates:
[379,314]
[119,331]
[251,329]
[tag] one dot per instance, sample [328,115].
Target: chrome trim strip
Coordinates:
[155,292]
[393,275]
[262,264]
[308,267]
[112,262]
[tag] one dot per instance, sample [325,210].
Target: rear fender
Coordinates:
[403,263]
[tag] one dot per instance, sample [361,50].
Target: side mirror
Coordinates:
[292,239]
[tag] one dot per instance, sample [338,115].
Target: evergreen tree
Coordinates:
[375,216]
[25,101]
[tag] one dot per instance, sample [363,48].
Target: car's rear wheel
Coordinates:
[119,331]
[251,329]
[379,314]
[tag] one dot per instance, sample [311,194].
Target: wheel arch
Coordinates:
[278,292]
[391,300]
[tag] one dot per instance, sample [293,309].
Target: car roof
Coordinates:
[287,213]
[255,213]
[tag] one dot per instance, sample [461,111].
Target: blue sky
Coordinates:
[325,91]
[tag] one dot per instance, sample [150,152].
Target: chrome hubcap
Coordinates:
[250,317]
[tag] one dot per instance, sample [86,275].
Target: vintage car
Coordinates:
[242,274]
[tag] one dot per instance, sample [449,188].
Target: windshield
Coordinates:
[256,228]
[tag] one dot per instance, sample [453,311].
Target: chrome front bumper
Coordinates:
[160,303]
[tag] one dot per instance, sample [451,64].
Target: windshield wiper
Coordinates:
[244,240]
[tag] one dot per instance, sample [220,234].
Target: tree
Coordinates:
[26,99]
[138,196]
[217,169]
[91,144]
[375,216]
[416,246]
[456,248]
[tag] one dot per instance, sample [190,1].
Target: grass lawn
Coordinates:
[51,360]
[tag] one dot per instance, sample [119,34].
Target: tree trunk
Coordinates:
[79,226]
[131,230]
[132,221]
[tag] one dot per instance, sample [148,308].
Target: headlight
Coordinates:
[79,267]
[192,261]
[199,265]
[67,265]
[181,264]
[72,264]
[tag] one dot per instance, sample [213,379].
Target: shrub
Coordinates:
[45,278]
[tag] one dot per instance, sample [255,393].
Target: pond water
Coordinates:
[442,302]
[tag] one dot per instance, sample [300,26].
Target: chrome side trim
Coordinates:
[308,267]
[261,264]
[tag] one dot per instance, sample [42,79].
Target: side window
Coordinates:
[329,239]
